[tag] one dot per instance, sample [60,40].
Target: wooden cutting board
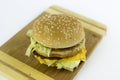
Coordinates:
[15,48]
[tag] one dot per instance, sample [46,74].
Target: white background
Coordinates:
[104,63]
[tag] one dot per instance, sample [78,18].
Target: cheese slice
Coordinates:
[80,56]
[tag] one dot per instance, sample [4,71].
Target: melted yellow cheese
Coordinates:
[80,56]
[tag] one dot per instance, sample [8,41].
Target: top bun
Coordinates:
[58,31]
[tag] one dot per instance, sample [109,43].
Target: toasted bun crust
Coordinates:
[58,31]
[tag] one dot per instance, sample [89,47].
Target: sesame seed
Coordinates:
[58,38]
[57,27]
[52,26]
[51,34]
[40,31]
[61,31]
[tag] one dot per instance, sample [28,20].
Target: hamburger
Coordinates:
[57,40]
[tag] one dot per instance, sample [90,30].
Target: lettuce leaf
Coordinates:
[30,47]
[69,65]
[34,45]
[29,33]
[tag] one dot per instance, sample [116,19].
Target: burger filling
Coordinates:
[51,52]
[68,63]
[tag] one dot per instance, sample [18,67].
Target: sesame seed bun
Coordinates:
[58,31]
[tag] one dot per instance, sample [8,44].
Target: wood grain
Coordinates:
[81,17]
[88,23]
[11,67]
[18,44]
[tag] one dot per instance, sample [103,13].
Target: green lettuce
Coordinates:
[69,65]
[34,45]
